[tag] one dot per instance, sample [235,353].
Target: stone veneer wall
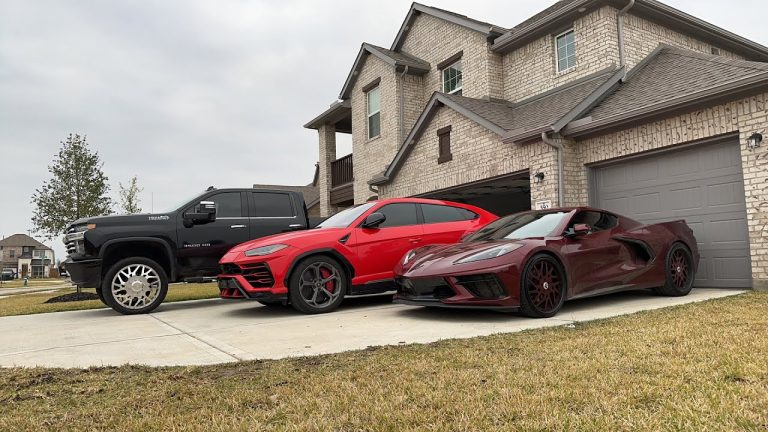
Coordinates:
[744,116]
[434,40]
[478,154]
[532,69]
[370,157]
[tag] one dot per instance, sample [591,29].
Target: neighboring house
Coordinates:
[27,256]
[632,106]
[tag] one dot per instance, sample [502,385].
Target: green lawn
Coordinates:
[690,368]
[25,304]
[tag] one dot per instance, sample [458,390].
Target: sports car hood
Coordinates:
[299,239]
[436,259]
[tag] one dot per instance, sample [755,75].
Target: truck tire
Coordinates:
[134,285]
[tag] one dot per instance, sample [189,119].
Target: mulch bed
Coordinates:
[73,297]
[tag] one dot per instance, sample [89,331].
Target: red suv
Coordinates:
[350,253]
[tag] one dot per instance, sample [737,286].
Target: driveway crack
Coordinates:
[199,339]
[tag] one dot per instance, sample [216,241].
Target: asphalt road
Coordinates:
[219,331]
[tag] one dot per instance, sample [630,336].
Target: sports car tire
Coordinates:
[134,286]
[317,285]
[680,272]
[542,287]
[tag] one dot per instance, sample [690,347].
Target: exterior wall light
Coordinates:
[754,141]
[538,177]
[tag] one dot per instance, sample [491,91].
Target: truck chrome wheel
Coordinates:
[135,286]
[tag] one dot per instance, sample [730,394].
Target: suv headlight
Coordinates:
[493,252]
[265,250]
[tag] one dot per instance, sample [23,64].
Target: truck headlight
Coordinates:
[265,250]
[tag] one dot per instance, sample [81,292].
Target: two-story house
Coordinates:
[26,256]
[628,105]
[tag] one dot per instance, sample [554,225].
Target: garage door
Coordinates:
[701,184]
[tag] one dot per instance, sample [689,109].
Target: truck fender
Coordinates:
[166,246]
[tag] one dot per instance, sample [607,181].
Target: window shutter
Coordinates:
[444,145]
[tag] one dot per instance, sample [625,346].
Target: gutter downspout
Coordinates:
[560,167]
[620,25]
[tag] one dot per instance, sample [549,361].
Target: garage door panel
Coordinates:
[702,185]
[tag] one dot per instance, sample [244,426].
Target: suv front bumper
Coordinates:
[85,273]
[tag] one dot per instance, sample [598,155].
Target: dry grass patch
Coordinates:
[694,367]
[25,304]
[35,283]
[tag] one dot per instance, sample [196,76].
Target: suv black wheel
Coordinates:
[317,285]
[134,286]
[542,287]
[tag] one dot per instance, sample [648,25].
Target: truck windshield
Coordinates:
[519,226]
[344,218]
[177,205]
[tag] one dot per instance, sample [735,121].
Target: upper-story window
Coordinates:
[12,253]
[565,50]
[452,78]
[374,112]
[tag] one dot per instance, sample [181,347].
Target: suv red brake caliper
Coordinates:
[325,273]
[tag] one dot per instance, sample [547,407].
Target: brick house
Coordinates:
[26,256]
[628,105]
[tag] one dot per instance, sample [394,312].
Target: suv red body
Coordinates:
[351,253]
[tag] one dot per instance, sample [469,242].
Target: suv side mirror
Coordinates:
[204,213]
[374,220]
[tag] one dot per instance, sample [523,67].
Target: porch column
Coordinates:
[327,155]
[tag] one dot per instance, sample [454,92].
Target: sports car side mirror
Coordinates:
[581,229]
[374,220]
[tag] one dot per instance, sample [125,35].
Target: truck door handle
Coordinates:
[237,226]
[295,226]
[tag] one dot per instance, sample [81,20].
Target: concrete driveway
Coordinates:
[218,331]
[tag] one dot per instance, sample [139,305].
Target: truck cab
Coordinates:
[131,259]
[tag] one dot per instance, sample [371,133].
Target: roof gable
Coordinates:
[489,30]
[19,240]
[400,61]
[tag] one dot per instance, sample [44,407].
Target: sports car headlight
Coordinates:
[493,252]
[265,250]
[409,256]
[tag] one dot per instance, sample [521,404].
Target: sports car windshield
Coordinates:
[345,218]
[519,226]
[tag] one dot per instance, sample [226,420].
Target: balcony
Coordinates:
[342,175]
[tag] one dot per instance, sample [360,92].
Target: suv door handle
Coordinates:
[415,240]
[237,226]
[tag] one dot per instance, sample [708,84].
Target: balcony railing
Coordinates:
[341,171]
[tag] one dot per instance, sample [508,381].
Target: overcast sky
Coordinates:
[186,94]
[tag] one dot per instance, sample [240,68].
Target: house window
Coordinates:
[12,252]
[565,46]
[374,112]
[452,78]
[444,143]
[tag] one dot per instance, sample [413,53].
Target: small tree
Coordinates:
[78,188]
[129,196]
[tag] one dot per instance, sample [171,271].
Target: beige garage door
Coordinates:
[702,184]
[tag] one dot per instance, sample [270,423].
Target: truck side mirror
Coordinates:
[204,213]
[374,220]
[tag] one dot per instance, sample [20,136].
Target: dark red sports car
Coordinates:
[350,253]
[533,262]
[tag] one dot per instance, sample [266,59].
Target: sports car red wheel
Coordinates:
[543,287]
[680,272]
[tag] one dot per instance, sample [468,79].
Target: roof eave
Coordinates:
[708,97]
[336,112]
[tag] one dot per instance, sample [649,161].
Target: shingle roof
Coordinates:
[670,73]
[18,240]
[401,59]
[415,66]
[543,14]
[464,17]
[311,193]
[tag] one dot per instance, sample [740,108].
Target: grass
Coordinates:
[25,304]
[694,367]
[34,283]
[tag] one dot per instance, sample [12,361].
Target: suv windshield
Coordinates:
[519,226]
[344,218]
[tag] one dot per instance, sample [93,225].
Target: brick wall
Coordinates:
[532,69]
[478,154]
[745,116]
[435,40]
[370,157]
[327,139]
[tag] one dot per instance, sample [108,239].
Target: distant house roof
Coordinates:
[673,79]
[311,193]
[19,240]
[398,60]
[489,30]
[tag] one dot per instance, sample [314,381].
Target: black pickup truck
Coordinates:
[131,259]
